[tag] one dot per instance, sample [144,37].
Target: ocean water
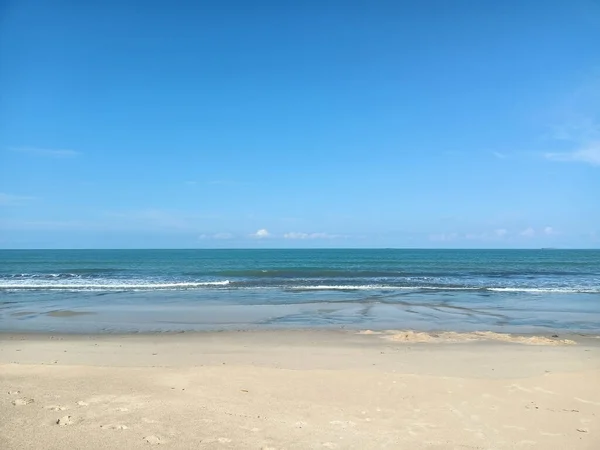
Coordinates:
[178,290]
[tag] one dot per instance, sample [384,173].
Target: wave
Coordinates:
[78,284]
[443,288]
[308,273]
[112,286]
[373,287]
[546,290]
[38,276]
[68,273]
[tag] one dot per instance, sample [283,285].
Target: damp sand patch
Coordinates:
[68,313]
[23,313]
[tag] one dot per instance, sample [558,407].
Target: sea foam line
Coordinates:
[548,290]
[443,288]
[110,286]
[370,287]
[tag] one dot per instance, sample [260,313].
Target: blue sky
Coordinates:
[299,124]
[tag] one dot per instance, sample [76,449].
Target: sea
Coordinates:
[133,291]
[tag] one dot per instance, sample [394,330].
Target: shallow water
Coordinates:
[174,290]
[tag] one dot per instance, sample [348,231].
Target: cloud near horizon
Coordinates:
[260,234]
[297,235]
[589,154]
[46,152]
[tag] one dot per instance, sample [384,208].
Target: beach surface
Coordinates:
[299,390]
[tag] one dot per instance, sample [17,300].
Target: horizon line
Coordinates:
[300,248]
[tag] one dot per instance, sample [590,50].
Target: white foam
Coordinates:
[548,290]
[113,286]
[370,287]
[366,287]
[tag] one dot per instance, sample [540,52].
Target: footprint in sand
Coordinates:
[56,408]
[114,427]
[14,392]
[221,440]
[153,440]
[22,401]
[80,403]
[64,421]
[343,423]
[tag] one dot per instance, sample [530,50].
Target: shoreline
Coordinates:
[437,336]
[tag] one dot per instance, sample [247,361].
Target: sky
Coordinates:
[329,123]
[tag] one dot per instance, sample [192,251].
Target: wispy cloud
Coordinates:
[46,152]
[297,235]
[589,154]
[500,155]
[577,131]
[12,200]
[261,234]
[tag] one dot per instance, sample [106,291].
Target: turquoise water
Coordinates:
[171,290]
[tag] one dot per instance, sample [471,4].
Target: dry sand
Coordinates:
[299,390]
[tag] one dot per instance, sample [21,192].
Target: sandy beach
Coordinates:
[299,390]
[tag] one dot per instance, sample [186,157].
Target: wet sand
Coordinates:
[299,390]
[68,313]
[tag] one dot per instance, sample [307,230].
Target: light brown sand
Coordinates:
[295,390]
[453,337]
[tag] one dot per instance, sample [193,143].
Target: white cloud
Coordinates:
[589,154]
[46,152]
[10,199]
[260,234]
[297,235]
[549,231]
[528,232]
